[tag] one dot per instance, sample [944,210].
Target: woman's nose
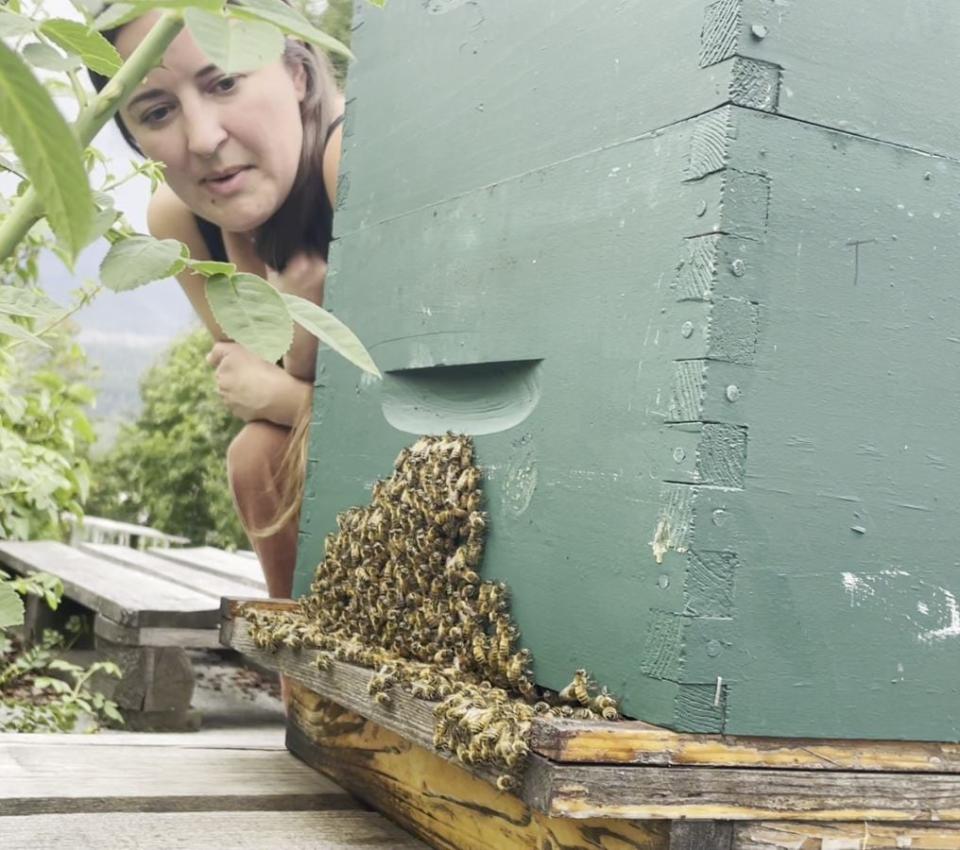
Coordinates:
[205,133]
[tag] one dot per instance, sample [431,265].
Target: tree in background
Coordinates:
[336,20]
[168,469]
[45,436]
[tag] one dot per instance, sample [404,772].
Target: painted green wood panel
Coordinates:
[707,352]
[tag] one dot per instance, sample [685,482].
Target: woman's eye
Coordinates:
[155,116]
[225,84]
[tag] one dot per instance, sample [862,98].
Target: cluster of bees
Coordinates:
[398,592]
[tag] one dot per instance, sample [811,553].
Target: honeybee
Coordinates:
[578,690]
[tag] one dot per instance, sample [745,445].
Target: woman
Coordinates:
[251,162]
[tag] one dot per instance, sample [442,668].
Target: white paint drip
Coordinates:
[858,588]
[950,630]
[862,587]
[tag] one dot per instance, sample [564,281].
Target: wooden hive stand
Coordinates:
[614,785]
[148,608]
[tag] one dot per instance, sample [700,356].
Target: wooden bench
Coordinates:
[148,608]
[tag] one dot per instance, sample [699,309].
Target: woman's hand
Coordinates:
[303,276]
[251,388]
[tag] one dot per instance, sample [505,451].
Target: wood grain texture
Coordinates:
[246,738]
[200,580]
[846,836]
[347,684]
[121,595]
[237,568]
[577,791]
[442,803]
[118,778]
[701,835]
[234,830]
[634,742]
[154,636]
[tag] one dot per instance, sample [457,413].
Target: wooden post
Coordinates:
[701,835]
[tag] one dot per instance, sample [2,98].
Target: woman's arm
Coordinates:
[169,218]
[249,387]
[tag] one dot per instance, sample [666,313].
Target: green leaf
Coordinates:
[115,15]
[378,3]
[11,607]
[13,25]
[232,44]
[211,267]
[118,14]
[110,710]
[137,260]
[48,150]
[48,683]
[331,331]
[102,222]
[95,51]
[108,668]
[12,329]
[46,57]
[16,301]
[251,312]
[290,21]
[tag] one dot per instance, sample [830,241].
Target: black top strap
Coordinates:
[213,239]
[333,126]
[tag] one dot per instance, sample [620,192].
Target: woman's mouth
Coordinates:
[228,181]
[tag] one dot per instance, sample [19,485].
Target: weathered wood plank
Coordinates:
[155,679]
[116,778]
[237,567]
[635,742]
[148,563]
[846,836]
[444,804]
[248,738]
[584,791]
[347,684]
[154,636]
[93,526]
[118,593]
[238,830]
[701,835]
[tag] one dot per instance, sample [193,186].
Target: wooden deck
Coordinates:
[233,785]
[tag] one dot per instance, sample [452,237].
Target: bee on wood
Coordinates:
[578,691]
[606,706]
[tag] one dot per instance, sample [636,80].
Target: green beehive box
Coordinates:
[689,274]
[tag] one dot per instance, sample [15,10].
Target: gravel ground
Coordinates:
[230,694]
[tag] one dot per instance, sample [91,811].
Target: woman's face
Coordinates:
[231,144]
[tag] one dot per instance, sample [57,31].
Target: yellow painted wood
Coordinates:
[443,804]
[641,743]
